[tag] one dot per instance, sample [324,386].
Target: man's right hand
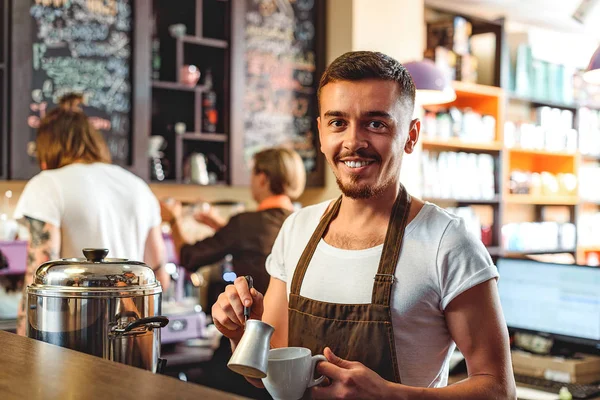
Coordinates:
[228,311]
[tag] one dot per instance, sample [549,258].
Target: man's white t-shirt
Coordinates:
[439,260]
[95,205]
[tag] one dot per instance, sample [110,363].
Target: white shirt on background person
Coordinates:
[95,205]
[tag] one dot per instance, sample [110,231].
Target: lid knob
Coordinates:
[95,255]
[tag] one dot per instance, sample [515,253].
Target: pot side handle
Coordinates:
[153,322]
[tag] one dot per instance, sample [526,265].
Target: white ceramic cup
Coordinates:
[290,372]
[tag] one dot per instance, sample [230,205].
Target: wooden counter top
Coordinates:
[34,370]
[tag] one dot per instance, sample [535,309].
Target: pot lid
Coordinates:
[95,272]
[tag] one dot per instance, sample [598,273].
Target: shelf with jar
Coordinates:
[472,121]
[190,92]
[542,173]
[462,147]
[551,229]
[541,158]
[588,209]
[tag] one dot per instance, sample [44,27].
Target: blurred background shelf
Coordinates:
[589,157]
[495,251]
[177,86]
[202,41]
[204,137]
[540,102]
[589,202]
[439,200]
[541,200]
[467,89]
[509,253]
[457,144]
[545,153]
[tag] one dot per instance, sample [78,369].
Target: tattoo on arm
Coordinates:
[39,235]
[44,245]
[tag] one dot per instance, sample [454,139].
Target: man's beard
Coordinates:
[356,191]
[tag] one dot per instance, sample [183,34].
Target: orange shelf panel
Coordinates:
[541,161]
[542,152]
[457,144]
[485,100]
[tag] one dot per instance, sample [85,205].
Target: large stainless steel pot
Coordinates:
[105,307]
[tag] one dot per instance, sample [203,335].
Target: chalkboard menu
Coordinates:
[84,46]
[280,106]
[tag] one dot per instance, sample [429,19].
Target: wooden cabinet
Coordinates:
[265,63]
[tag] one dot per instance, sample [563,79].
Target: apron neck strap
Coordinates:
[385,277]
[310,248]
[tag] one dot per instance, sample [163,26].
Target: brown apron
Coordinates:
[355,332]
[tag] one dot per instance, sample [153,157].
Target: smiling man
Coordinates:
[382,283]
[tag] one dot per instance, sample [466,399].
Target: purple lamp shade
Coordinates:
[592,74]
[432,86]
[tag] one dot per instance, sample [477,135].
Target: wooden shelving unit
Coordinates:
[533,160]
[492,101]
[515,208]
[206,44]
[486,100]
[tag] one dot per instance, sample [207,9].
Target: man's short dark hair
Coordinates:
[360,65]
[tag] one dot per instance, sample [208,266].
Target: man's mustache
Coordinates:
[360,154]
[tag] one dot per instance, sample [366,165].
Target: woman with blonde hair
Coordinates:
[79,200]
[278,177]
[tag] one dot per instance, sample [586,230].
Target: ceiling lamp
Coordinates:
[432,86]
[592,74]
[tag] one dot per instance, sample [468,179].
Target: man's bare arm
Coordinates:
[477,325]
[276,312]
[44,245]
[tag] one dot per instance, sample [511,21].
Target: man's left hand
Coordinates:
[349,380]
